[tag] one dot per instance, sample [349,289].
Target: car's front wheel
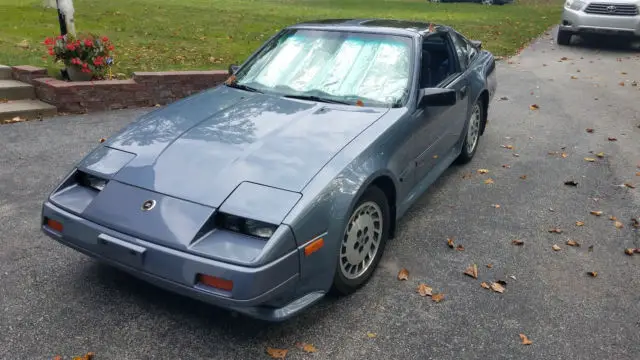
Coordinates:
[472,138]
[362,242]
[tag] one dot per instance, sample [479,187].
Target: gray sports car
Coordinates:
[267,192]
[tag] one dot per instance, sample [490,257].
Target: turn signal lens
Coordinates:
[54,225]
[314,246]
[215,282]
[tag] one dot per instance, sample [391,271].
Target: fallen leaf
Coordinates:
[308,348]
[424,290]
[571,183]
[593,273]
[467,176]
[89,356]
[506,166]
[534,107]
[102,140]
[573,77]
[621,83]
[618,225]
[564,155]
[501,282]
[510,147]
[525,340]
[489,266]
[371,335]
[573,243]
[489,181]
[612,218]
[589,159]
[589,130]
[523,177]
[517,242]
[460,248]
[579,223]
[485,285]
[437,297]
[629,251]
[450,242]
[472,271]
[629,185]
[564,58]
[497,287]
[504,98]
[612,139]
[596,212]
[600,154]
[483,171]
[403,274]
[635,223]
[638,173]
[512,276]
[515,155]
[555,230]
[590,248]
[277,353]
[497,206]
[556,248]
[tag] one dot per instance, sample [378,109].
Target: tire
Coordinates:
[487,2]
[349,277]
[474,127]
[564,37]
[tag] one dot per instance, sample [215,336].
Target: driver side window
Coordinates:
[461,49]
[437,61]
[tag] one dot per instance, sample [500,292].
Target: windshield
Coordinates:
[335,66]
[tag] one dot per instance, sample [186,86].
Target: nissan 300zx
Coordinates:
[284,183]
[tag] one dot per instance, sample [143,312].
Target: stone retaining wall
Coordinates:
[144,89]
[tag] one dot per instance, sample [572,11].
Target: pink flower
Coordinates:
[76,61]
[88,43]
[71,47]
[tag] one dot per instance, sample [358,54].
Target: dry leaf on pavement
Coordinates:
[629,185]
[403,274]
[517,242]
[497,206]
[102,140]
[600,154]
[612,218]
[460,248]
[555,230]
[308,348]
[472,271]
[534,107]
[638,173]
[525,340]
[488,181]
[277,353]
[618,225]
[510,147]
[589,159]
[485,285]
[593,273]
[437,297]
[589,130]
[450,242]
[590,248]
[556,248]
[629,251]
[424,290]
[596,212]
[371,335]
[523,177]
[571,183]
[506,166]
[483,171]
[489,266]
[564,155]
[579,223]
[573,243]
[497,287]
[635,223]
[612,139]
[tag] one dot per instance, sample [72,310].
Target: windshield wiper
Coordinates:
[317,98]
[243,87]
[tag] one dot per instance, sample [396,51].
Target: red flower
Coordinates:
[76,61]
[110,47]
[99,60]
[105,39]
[59,37]
[88,43]
[71,47]
[51,52]
[85,70]
[48,41]
[85,65]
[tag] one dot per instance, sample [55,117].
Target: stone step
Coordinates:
[16,90]
[5,72]
[26,109]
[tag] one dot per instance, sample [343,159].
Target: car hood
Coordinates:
[201,148]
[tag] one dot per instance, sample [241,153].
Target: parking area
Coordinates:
[55,301]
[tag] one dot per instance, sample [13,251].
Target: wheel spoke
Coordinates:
[361,239]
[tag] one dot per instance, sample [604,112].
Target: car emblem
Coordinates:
[148,205]
[611,8]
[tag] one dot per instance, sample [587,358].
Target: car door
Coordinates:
[438,124]
[461,83]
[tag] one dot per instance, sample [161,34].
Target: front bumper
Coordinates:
[267,292]
[578,21]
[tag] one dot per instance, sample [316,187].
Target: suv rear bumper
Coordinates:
[578,21]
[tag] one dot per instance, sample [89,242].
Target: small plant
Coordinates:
[89,54]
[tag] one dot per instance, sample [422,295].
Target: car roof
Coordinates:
[381,26]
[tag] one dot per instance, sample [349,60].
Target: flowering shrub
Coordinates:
[89,53]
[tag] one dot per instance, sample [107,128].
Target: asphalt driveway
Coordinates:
[55,301]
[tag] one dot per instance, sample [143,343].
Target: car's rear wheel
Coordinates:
[564,37]
[472,138]
[362,242]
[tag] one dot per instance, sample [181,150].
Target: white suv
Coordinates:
[615,17]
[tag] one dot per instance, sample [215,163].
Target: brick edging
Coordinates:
[144,89]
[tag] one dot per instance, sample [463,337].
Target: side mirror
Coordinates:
[437,97]
[233,69]
[477,44]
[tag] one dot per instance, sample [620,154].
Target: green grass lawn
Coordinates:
[152,35]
